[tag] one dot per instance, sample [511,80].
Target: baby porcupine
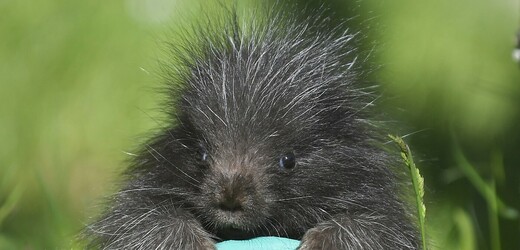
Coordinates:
[270,136]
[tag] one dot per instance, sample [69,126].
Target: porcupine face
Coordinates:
[275,122]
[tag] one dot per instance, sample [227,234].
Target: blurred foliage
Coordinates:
[77,91]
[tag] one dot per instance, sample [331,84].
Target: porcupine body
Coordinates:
[270,136]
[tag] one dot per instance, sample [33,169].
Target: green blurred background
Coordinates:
[78,84]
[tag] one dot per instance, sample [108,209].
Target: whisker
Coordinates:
[293,198]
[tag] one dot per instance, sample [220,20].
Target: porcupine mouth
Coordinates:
[231,226]
[232,233]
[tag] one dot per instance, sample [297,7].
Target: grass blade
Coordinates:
[417,182]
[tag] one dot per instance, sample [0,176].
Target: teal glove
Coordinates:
[260,243]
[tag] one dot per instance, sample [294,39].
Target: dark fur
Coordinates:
[247,94]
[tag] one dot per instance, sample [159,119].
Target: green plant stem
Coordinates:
[484,189]
[417,182]
[494,226]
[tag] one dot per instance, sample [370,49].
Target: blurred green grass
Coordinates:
[77,90]
[72,90]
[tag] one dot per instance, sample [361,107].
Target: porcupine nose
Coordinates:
[233,195]
[230,203]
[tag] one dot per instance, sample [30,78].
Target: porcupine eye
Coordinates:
[287,161]
[204,156]
[203,153]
